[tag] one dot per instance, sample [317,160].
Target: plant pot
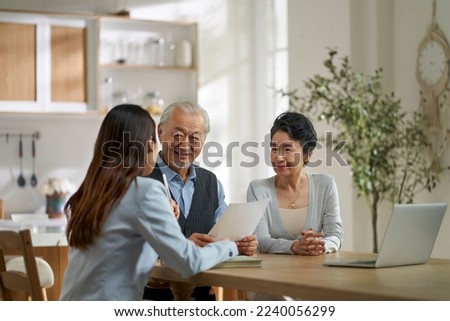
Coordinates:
[55,205]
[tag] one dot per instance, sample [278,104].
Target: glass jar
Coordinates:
[154,104]
[183,57]
[121,51]
[107,93]
[170,51]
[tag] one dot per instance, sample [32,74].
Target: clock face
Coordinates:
[432,63]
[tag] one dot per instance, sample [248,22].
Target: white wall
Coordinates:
[412,19]
[63,149]
[311,31]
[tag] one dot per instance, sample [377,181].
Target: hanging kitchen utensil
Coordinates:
[21,180]
[33,180]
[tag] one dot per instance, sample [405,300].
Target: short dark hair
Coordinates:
[298,127]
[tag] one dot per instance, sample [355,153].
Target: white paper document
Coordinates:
[239,220]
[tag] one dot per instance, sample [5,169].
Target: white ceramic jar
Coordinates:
[183,54]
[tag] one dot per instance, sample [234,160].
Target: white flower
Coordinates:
[57,185]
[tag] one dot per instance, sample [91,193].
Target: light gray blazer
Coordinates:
[323,214]
[141,228]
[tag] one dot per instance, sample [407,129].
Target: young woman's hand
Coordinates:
[175,208]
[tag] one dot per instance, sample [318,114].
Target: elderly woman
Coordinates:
[303,217]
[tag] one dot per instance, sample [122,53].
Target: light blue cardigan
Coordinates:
[323,214]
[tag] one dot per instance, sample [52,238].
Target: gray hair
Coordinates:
[188,108]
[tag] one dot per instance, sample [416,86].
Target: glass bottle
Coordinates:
[170,51]
[150,52]
[184,54]
[155,51]
[161,52]
[107,93]
[121,51]
[154,103]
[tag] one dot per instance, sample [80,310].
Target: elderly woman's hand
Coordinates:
[247,245]
[310,243]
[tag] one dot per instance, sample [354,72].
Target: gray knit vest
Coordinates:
[205,201]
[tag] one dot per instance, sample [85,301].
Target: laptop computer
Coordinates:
[409,237]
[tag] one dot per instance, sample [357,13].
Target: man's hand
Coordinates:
[248,245]
[201,239]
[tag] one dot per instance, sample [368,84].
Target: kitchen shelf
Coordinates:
[147,67]
[54,94]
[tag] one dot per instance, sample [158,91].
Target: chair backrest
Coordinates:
[19,243]
[2,210]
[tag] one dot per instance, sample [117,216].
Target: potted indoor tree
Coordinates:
[385,147]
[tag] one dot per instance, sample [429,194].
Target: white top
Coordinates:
[293,220]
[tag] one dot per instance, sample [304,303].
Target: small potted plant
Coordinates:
[56,191]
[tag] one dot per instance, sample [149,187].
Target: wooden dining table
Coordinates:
[307,278]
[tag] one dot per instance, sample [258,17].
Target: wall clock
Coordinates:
[432,72]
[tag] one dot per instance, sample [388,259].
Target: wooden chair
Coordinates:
[20,273]
[2,210]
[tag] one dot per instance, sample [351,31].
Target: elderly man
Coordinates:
[182,132]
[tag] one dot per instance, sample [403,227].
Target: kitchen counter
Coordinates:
[48,233]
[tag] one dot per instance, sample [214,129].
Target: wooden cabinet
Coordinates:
[44,62]
[68,63]
[18,61]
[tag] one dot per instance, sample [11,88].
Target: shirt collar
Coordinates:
[170,173]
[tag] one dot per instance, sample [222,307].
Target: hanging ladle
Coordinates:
[33,180]
[21,180]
